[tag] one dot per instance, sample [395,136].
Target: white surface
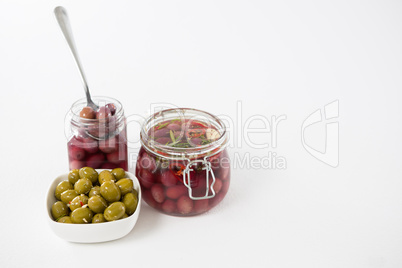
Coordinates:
[276,57]
[91,233]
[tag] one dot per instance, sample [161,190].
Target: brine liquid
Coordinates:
[162,179]
[84,151]
[182,133]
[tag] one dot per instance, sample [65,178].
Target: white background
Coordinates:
[275,57]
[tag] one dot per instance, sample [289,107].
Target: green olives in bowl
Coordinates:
[86,216]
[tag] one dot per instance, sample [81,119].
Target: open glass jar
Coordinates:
[99,141]
[183,165]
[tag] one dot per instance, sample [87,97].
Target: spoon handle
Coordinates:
[62,18]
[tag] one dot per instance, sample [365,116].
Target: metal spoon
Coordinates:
[62,19]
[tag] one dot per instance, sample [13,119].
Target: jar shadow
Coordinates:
[146,223]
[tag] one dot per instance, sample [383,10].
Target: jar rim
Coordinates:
[99,100]
[168,151]
[98,129]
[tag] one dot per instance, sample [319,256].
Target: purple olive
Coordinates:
[164,132]
[196,141]
[76,153]
[117,156]
[103,113]
[96,160]
[174,127]
[111,107]
[75,164]
[147,162]
[108,146]
[108,165]
[163,140]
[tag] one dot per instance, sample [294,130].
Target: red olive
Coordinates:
[175,192]
[146,178]
[90,145]
[201,206]
[168,178]
[75,164]
[157,193]
[103,113]
[116,157]
[108,146]
[185,205]
[174,127]
[147,162]
[111,107]
[76,153]
[164,140]
[169,206]
[96,160]
[108,165]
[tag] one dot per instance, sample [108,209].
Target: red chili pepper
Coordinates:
[177,169]
[176,165]
[195,132]
[199,124]
[162,153]
[161,126]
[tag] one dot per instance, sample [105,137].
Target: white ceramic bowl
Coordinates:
[91,233]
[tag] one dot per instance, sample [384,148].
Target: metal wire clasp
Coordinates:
[187,179]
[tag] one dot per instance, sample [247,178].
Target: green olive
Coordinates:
[82,215]
[98,218]
[78,202]
[65,219]
[90,173]
[68,196]
[94,191]
[125,185]
[61,187]
[119,173]
[124,216]
[83,186]
[115,211]
[130,200]
[59,209]
[73,176]
[105,175]
[110,191]
[97,204]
